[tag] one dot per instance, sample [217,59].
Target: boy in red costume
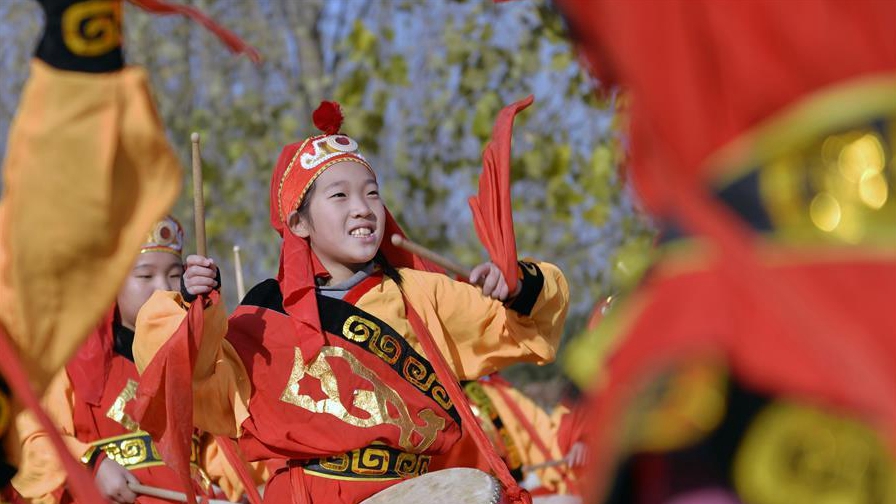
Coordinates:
[322,367]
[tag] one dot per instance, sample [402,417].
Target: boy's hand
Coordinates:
[489,277]
[112,481]
[200,275]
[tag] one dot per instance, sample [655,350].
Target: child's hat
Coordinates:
[298,166]
[313,156]
[166,235]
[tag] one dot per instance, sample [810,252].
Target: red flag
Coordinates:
[163,405]
[230,39]
[492,211]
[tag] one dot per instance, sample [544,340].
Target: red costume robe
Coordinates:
[368,410]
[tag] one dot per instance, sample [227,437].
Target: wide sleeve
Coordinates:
[40,475]
[221,386]
[479,335]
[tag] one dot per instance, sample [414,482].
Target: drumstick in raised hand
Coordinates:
[238,269]
[198,199]
[545,465]
[164,493]
[429,255]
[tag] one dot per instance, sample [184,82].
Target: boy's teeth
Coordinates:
[361,232]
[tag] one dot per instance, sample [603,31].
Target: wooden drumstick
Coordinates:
[164,493]
[545,465]
[198,199]
[238,269]
[429,255]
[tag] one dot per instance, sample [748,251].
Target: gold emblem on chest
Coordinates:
[374,402]
[116,412]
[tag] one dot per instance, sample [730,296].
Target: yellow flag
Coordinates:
[88,171]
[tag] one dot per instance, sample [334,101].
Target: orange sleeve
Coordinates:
[479,335]
[221,386]
[223,474]
[40,472]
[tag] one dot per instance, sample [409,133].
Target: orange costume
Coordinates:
[336,386]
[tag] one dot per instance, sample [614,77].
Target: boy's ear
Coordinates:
[298,225]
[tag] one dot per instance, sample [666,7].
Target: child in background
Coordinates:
[87,399]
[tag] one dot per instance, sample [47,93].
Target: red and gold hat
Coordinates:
[167,235]
[314,155]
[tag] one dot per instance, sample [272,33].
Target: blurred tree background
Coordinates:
[420,84]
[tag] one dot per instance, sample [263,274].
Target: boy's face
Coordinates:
[346,217]
[153,271]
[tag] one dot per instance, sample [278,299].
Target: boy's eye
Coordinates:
[144,276]
[373,193]
[337,195]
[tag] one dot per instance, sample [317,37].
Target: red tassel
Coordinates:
[238,463]
[513,494]
[164,403]
[328,117]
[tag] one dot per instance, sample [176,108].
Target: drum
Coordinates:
[459,485]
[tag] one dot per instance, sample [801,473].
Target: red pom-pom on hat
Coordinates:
[328,117]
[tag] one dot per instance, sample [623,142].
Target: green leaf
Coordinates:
[362,41]
[561,61]
[396,72]
[351,90]
[486,110]
[597,214]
